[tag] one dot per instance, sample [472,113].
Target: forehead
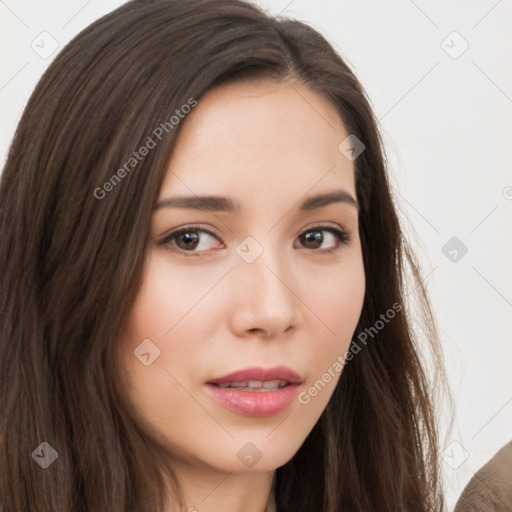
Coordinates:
[259,139]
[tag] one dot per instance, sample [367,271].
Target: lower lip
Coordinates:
[254,403]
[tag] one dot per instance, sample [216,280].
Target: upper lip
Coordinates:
[261,375]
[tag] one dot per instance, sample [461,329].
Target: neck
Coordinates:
[209,490]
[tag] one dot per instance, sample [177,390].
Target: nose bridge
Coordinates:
[263,275]
[259,262]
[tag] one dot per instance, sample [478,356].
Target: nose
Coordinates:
[265,301]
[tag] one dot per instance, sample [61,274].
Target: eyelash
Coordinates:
[342,236]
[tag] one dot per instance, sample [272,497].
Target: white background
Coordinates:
[447,127]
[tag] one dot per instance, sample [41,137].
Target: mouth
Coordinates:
[255,385]
[255,391]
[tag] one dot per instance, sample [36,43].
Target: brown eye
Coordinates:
[313,238]
[188,239]
[191,240]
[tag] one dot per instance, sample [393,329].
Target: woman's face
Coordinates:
[254,289]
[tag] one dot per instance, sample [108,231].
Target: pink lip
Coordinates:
[260,374]
[256,403]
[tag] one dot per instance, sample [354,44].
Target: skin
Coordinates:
[269,146]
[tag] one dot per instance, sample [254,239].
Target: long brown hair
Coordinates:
[71,265]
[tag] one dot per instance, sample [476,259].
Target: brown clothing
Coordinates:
[490,489]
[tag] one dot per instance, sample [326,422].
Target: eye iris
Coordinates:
[189,237]
[313,236]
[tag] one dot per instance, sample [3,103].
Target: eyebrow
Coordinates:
[226,204]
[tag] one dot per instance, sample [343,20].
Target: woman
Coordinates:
[204,296]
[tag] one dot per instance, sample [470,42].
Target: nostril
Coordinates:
[258,330]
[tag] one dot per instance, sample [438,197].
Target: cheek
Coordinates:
[339,301]
[338,308]
[163,313]
[174,311]
[170,296]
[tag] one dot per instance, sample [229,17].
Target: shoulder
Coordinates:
[490,489]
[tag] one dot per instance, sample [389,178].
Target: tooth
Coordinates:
[271,384]
[256,385]
[238,384]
